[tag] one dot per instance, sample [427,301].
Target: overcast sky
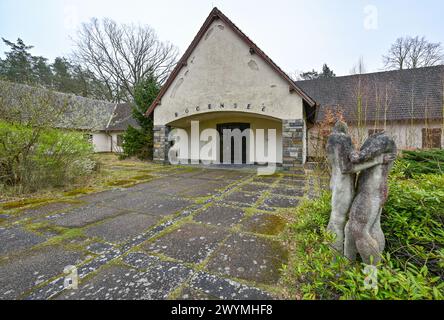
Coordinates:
[297,35]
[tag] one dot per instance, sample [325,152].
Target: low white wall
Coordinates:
[101,142]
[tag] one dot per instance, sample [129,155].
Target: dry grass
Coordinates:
[111,173]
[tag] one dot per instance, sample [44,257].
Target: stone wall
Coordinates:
[160,144]
[292,143]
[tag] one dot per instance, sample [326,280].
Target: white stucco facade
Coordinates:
[222,71]
[101,142]
[106,142]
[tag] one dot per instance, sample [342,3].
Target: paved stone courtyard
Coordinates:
[186,234]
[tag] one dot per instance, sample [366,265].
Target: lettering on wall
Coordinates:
[222,107]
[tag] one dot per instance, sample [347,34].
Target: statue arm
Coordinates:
[355,168]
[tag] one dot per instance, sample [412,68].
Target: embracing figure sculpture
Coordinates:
[363,233]
[377,152]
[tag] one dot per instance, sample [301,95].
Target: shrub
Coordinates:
[139,141]
[413,220]
[34,158]
[422,162]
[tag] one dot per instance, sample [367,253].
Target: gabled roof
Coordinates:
[254,49]
[122,117]
[78,113]
[392,95]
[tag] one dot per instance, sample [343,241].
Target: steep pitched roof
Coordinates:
[393,95]
[254,49]
[122,117]
[77,113]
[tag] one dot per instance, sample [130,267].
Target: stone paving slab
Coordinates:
[222,175]
[221,216]
[120,283]
[123,227]
[152,186]
[140,260]
[190,243]
[22,273]
[280,202]
[249,257]
[266,179]
[247,199]
[164,207]
[188,293]
[99,247]
[15,239]
[219,288]
[153,204]
[292,182]
[204,189]
[187,175]
[178,186]
[47,209]
[84,215]
[287,191]
[264,223]
[131,200]
[102,196]
[255,187]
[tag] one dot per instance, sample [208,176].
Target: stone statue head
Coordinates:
[340,127]
[375,145]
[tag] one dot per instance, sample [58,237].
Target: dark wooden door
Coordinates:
[232,126]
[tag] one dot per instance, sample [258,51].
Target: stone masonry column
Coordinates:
[160,144]
[292,143]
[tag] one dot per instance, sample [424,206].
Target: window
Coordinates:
[119,140]
[431,138]
[373,131]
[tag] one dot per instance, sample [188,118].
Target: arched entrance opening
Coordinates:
[243,138]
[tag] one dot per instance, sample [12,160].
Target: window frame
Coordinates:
[431,138]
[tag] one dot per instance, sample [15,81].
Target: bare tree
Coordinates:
[122,55]
[396,57]
[359,67]
[413,52]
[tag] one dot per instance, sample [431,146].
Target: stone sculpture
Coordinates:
[363,233]
[343,177]
[345,163]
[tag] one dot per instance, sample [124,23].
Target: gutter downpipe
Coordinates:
[107,126]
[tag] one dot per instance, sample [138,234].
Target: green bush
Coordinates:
[34,158]
[413,219]
[138,142]
[422,162]
[413,264]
